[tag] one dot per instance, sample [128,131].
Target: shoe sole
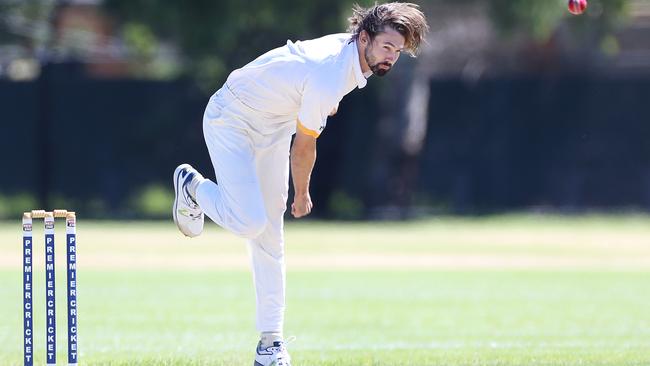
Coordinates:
[177,175]
[259,364]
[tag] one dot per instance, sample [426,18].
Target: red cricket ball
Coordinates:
[577,7]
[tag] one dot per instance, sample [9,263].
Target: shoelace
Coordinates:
[282,349]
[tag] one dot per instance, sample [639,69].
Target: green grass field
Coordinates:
[508,290]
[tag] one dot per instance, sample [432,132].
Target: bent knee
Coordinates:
[252,226]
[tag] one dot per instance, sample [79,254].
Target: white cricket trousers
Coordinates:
[250,196]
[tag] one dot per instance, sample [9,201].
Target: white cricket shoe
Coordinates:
[188,216]
[276,355]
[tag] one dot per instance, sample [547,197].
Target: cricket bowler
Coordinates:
[248,127]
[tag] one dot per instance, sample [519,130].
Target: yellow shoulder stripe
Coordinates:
[307,131]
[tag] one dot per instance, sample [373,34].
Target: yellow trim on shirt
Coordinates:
[307,131]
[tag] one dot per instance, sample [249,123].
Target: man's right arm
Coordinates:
[303,157]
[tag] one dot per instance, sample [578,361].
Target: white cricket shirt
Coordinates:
[299,84]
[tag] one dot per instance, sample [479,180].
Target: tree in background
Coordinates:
[206,39]
[539,19]
[580,42]
[216,37]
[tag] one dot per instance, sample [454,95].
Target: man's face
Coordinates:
[382,52]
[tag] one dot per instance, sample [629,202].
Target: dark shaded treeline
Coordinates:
[494,145]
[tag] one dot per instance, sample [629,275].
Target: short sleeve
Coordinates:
[318,100]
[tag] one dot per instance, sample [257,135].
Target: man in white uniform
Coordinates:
[248,125]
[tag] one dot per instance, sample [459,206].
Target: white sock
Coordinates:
[267,338]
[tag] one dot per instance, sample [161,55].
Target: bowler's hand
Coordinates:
[301,205]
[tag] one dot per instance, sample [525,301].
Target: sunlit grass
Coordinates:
[148,296]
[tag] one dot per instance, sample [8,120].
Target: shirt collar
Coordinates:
[356,66]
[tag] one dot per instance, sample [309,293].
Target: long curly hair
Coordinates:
[405,18]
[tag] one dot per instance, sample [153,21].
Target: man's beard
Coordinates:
[375,66]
